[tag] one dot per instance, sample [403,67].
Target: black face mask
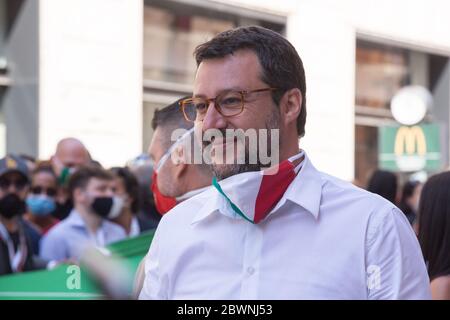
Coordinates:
[102,206]
[11,205]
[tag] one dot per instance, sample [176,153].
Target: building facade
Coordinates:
[97,70]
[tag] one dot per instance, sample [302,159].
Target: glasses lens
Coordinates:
[4,184]
[230,103]
[36,190]
[195,108]
[18,184]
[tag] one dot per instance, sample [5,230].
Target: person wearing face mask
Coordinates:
[70,154]
[126,188]
[87,225]
[41,199]
[174,181]
[16,242]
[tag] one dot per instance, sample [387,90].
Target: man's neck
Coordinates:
[91,220]
[195,181]
[125,220]
[11,225]
[289,152]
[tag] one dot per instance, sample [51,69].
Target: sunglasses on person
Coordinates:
[19,184]
[51,192]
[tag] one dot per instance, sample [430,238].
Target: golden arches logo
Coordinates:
[410,139]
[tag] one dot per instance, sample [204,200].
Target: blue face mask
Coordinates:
[41,205]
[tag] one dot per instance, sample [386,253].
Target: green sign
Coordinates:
[409,148]
[70,282]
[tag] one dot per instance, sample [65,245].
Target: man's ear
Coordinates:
[179,161]
[79,196]
[290,106]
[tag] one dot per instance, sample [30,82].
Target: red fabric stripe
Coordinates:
[272,189]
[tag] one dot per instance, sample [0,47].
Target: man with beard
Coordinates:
[16,248]
[289,231]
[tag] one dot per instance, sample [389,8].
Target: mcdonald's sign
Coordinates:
[404,148]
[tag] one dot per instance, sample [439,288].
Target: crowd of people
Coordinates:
[427,208]
[225,231]
[51,210]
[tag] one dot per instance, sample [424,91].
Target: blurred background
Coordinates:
[97,70]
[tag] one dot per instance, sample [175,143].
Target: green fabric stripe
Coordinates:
[64,175]
[233,206]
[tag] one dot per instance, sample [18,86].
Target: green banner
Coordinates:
[409,148]
[70,282]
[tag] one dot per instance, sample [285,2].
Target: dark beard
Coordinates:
[232,169]
[223,171]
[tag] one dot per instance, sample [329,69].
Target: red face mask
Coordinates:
[163,203]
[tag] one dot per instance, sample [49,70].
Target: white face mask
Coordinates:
[117,207]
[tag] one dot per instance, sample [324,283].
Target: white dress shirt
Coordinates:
[325,239]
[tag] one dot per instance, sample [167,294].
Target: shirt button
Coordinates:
[250,270]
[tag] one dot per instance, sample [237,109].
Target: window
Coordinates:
[381,70]
[170,40]
[172,30]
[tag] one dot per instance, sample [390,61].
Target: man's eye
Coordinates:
[231,101]
[200,107]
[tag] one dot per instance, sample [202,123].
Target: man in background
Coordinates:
[16,247]
[176,181]
[172,182]
[87,225]
[70,154]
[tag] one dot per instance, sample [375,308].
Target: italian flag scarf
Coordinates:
[252,195]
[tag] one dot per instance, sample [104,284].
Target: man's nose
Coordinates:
[12,188]
[213,119]
[109,193]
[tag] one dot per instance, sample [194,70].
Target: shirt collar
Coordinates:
[305,191]
[212,204]
[75,220]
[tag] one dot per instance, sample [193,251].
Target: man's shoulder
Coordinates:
[184,212]
[60,230]
[356,202]
[337,188]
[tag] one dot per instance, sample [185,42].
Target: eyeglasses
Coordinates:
[51,192]
[228,103]
[19,184]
